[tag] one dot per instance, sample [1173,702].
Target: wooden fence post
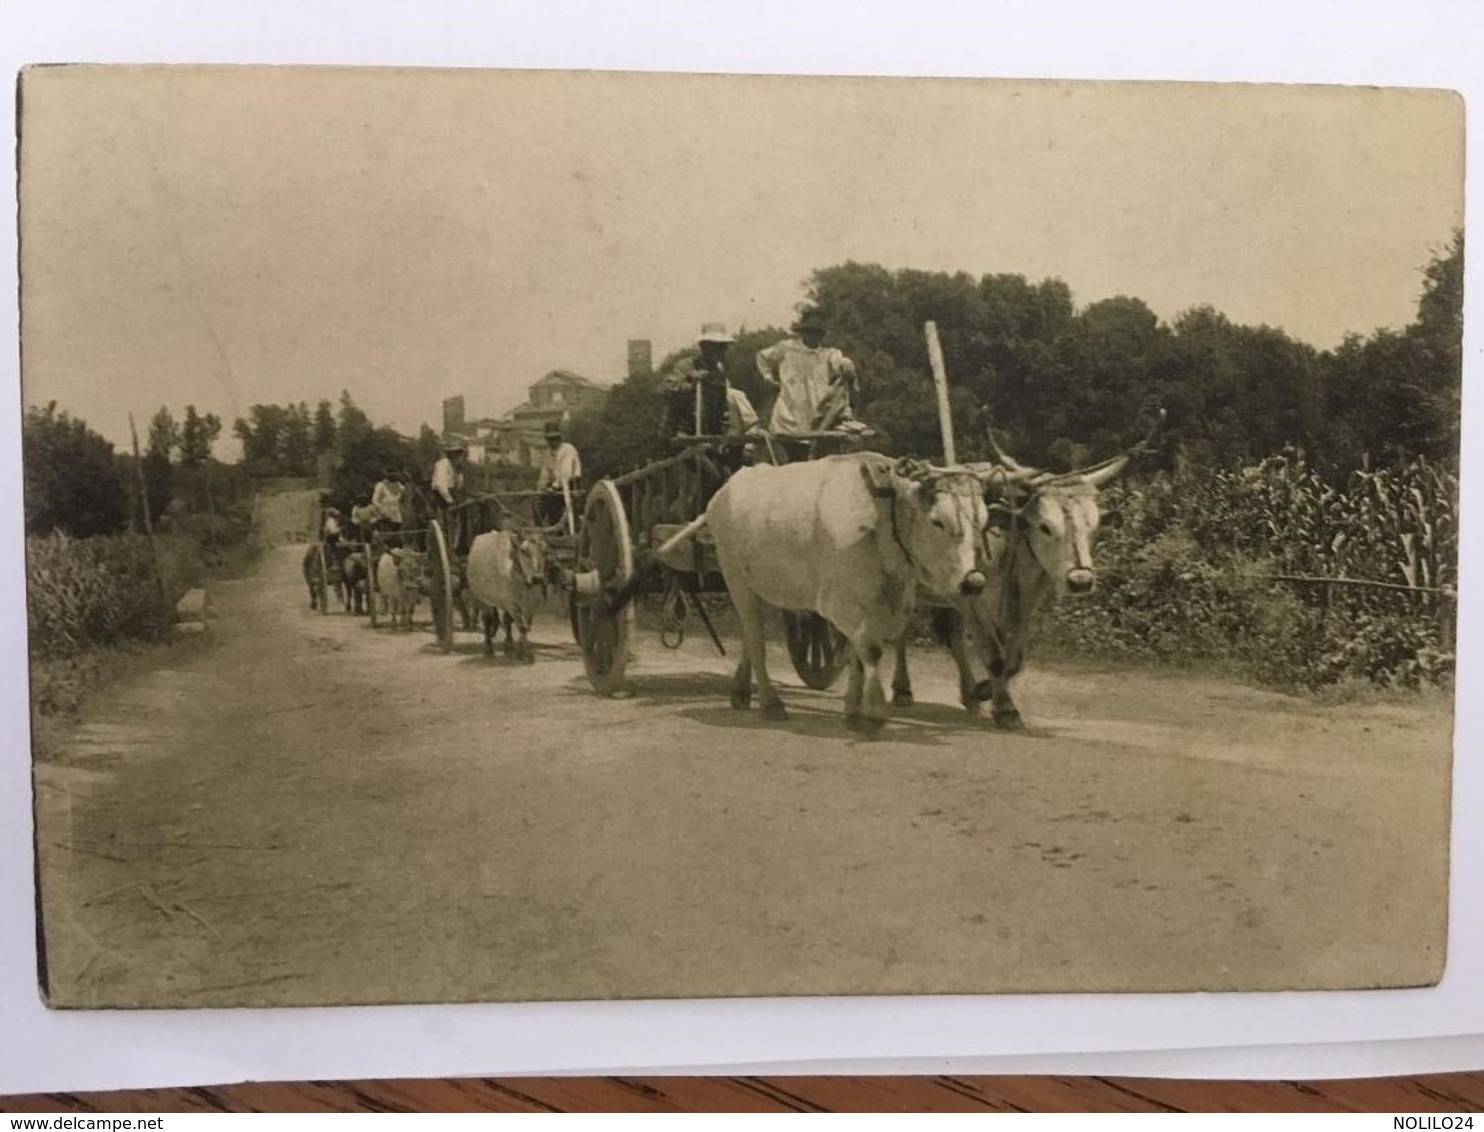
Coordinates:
[149,531]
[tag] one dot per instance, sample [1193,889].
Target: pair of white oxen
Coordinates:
[863,540]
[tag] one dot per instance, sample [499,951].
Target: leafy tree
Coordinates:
[298,441]
[159,483]
[365,461]
[1436,339]
[623,431]
[353,425]
[324,428]
[427,450]
[1395,396]
[71,479]
[197,435]
[164,435]
[262,436]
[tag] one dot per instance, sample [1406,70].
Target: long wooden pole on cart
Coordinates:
[940,383]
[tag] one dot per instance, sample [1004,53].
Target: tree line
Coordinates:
[77,484]
[1062,386]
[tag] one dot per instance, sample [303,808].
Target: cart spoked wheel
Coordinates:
[322,564]
[819,650]
[440,585]
[605,564]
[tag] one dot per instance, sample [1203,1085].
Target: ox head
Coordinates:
[943,519]
[1058,515]
[528,549]
[411,569]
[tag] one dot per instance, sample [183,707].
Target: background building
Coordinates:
[519,437]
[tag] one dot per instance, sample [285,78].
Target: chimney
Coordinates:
[641,359]
[453,414]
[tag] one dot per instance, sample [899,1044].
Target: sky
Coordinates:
[229,236]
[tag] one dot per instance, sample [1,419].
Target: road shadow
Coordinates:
[472,652]
[823,720]
[671,688]
[956,718]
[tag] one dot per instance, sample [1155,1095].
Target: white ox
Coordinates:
[399,578]
[506,577]
[1038,549]
[849,537]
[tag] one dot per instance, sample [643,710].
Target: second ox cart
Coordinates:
[596,554]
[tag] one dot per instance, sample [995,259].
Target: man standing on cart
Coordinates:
[448,490]
[700,402]
[561,469]
[702,380]
[815,382]
[386,498]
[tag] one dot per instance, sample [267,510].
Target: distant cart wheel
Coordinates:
[819,650]
[440,585]
[371,590]
[322,565]
[605,564]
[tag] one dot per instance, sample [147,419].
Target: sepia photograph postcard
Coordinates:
[543,536]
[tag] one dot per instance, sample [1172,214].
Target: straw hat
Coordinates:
[715,332]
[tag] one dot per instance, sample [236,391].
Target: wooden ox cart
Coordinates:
[595,551]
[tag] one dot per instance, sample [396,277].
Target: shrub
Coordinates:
[102,590]
[1211,565]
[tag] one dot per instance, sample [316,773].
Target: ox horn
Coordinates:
[1005,459]
[1006,468]
[1105,470]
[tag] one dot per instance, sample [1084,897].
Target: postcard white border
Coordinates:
[1263,1035]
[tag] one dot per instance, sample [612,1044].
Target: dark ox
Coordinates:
[1037,548]
[320,581]
[354,579]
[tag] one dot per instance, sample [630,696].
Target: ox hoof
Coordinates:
[775,711]
[971,706]
[1008,720]
[983,691]
[902,699]
[741,701]
[868,726]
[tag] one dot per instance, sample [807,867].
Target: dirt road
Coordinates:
[311,811]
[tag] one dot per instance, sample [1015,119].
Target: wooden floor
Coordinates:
[1453,1092]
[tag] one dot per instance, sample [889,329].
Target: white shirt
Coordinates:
[741,416]
[804,378]
[446,478]
[562,465]
[387,499]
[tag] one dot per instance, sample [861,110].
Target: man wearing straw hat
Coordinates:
[701,382]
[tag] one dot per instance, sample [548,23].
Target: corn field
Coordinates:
[1301,582]
[99,591]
